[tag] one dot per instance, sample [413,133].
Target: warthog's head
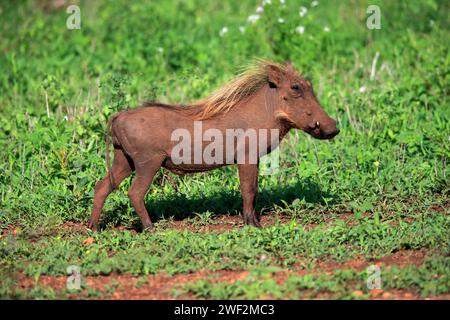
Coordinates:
[298,104]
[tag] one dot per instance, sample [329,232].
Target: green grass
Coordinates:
[387,168]
[173,252]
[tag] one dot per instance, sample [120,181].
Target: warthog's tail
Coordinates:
[108,164]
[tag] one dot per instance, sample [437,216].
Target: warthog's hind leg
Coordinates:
[144,176]
[121,168]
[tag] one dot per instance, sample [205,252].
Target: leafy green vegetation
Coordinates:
[379,187]
[172,251]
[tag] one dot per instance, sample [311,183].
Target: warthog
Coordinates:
[267,96]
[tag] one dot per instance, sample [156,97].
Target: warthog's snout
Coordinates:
[326,130]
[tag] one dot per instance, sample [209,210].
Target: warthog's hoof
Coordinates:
[148,228]
[92,226]
[252,221]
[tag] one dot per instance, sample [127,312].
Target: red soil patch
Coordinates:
[225,223]
[125,286]
[9,230]
[400,258]
[74,227]
[401,294]
[160,286]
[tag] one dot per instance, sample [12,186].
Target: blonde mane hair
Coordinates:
[238,90]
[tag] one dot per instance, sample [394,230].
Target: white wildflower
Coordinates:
[280,20]
[259,9]
[282,1]
[66,118]
[253,18]
[303,11]
[266,2]
[314,3]
[362,89]
[242,29]
[223,31]
[160,50]
[300,29]
[326,29]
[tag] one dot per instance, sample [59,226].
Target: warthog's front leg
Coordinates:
[248,176]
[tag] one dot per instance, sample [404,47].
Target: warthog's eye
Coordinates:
[295,87]
[296,90]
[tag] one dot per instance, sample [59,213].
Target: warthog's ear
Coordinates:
[274,76]
[289,65]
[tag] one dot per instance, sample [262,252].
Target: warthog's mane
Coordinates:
[236,91]
[239,89]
